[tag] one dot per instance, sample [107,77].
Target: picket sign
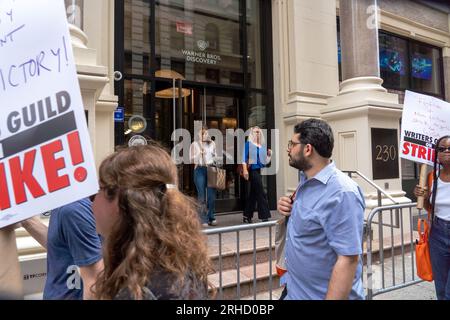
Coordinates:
[46,157]
[424,120]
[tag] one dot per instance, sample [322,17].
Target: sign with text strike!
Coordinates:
[425,119]
[46,158]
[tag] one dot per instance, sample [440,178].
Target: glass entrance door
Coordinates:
[181,105]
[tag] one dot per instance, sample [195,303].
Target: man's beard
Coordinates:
[300,163]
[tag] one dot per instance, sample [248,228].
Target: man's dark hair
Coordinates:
[317,133]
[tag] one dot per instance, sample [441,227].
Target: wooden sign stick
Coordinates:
[422,183]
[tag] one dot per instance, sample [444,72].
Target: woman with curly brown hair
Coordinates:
[154,247]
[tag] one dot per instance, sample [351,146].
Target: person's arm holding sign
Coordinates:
[423,122]
[37,230]
[10,276]
[425,194]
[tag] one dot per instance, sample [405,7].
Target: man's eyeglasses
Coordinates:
[443,149]
[292,143]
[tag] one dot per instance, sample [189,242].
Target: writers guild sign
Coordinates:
[385,153]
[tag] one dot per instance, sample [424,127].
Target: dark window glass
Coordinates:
[137,37]
[425,69]
[212,36]
[257,111]
[136,101]
[339,48]
[257,108]
[201,34]
[394,66]
[255,47]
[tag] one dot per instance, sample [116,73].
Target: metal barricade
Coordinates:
[383,275]
[221,232]
[390,254]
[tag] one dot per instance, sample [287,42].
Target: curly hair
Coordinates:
[318,133]
[158,228]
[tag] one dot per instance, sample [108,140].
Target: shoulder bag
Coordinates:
[423,260]
[216,177]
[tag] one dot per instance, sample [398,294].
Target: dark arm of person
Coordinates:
[36,229]
[423,192]
[342,278]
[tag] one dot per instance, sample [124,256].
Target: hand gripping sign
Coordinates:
[46,158]
[425,119]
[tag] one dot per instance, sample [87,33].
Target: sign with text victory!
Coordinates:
[425,119]
[46,157]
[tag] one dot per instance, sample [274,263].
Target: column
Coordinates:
[305,70]
[446,57]
[74,11]
[359,44]
[363,105]
[358,39]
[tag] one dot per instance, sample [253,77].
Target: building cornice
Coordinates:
[403,26]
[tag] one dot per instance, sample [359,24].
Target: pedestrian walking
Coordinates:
[324,234]
[437,202]
[153,244]
[203,154]
[74,251]
[256,157]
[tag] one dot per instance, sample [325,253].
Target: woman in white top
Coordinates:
[202,154]
[438,205]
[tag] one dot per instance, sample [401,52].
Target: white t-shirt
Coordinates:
[208,156]
[442,204]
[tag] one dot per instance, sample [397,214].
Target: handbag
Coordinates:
[216,178]
[423,261]
[280,242]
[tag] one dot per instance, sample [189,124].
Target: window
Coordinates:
[394,64]
[212,36]
[406,64]
[426,69]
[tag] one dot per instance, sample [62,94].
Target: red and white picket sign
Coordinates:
[46,157]
[425,119]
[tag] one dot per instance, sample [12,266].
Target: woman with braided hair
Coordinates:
[437,202]
[154,247]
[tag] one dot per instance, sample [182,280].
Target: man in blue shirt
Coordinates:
[73,250]
[324,235]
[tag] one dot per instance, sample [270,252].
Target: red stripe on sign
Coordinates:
[75,148]
[5,203]
[23,175]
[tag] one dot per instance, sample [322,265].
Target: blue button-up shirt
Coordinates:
[326,222]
